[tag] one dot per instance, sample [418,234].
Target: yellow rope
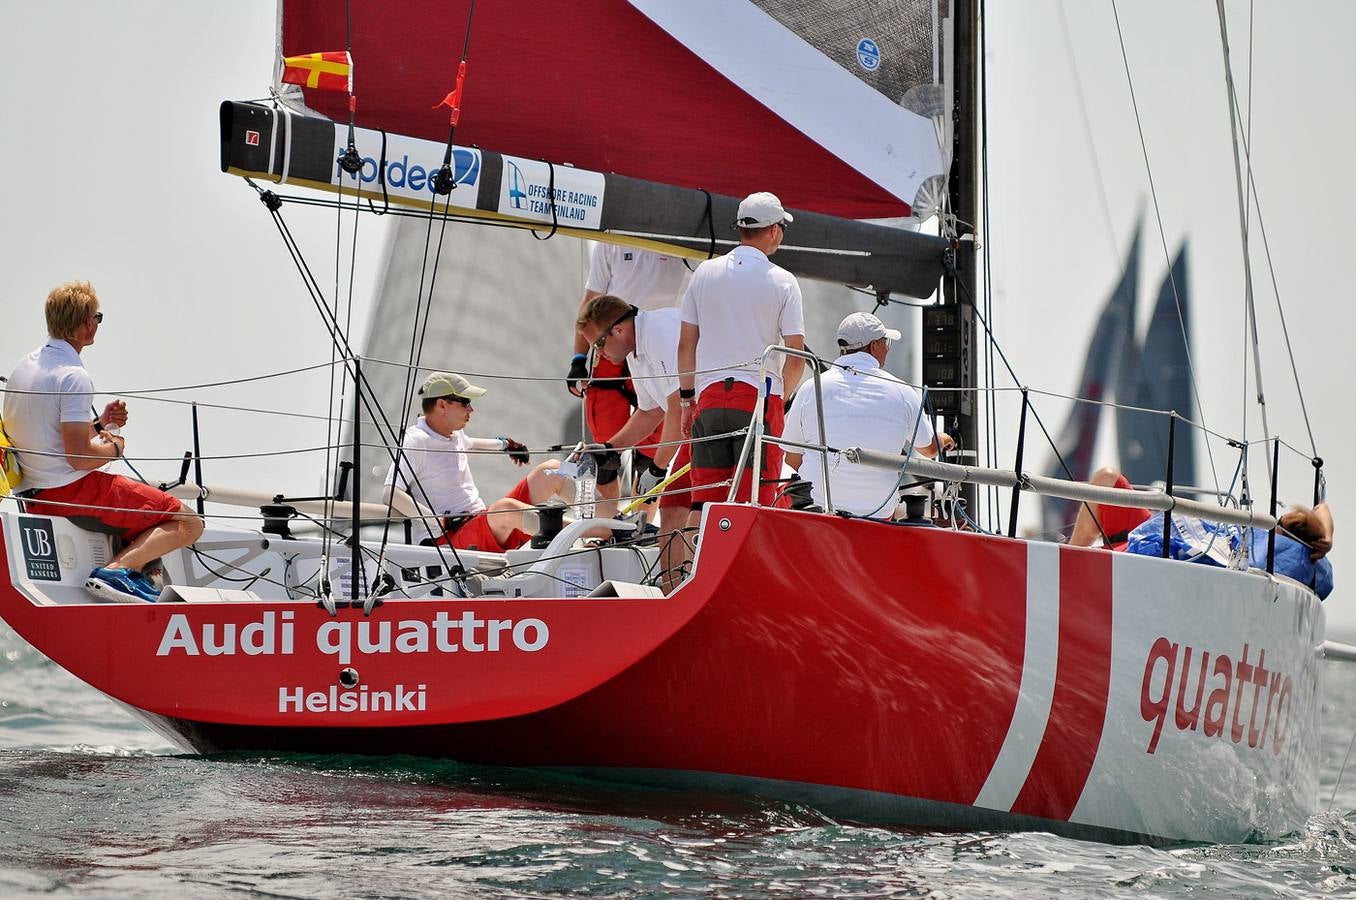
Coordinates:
[655,491]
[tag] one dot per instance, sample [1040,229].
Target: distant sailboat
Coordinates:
[1160,378]
[1149,374]
[1113,341]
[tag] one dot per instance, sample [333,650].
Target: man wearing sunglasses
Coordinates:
[435,472]
[63,453]
[647,342]
[735,308]
[648,281]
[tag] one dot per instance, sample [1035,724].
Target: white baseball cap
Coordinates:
[859,329]
[449,384]
[761,210]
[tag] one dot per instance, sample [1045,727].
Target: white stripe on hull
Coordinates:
[1037,690]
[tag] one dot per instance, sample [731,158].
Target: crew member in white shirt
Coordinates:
[735,308]
[864,406]
[435,472]
[63,452]
[645,279]
[647,341]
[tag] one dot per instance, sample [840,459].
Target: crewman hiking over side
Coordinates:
[647,342]
[648,281]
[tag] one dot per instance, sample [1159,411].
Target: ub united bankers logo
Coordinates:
[868,54]
[40,558]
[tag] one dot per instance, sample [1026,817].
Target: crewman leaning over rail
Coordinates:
[47,414]
[648,281]
[1112,524]
[647,342]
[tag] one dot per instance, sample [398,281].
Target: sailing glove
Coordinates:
[608,460]
[516,451]
[579,371]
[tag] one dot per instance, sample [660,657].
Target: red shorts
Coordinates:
[606,410]
[679,492]
[1118,521]
[128,506]
[476,534]
[720,410]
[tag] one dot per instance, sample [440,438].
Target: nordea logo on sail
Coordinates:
[274,634]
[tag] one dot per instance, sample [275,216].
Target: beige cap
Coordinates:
[859,329]
[449,384]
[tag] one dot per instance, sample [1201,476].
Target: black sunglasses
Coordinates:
[454,399]
[602,339]
[99,317]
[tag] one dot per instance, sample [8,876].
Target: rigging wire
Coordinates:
[1243,225]
[1162,236]
[1087,128]
[991,404]
[336,335]
[445,183]
[1276,290]
[1013,375]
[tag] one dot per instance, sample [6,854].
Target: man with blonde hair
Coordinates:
[48,402]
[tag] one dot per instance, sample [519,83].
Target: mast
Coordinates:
[956,320]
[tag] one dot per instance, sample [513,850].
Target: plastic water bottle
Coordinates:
[586,485]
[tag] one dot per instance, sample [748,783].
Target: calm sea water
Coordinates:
[93,804]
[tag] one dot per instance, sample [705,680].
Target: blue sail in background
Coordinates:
[1161,379]
[1112,340]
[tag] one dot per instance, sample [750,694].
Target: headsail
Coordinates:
[802,99]
[1161,379]
[1112,340]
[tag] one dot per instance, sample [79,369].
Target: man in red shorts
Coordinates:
[435,471]
[735,308]
[648,281]
[1112,523]
[48,403]
[647,342]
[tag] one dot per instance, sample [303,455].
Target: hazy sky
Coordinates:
[111,138]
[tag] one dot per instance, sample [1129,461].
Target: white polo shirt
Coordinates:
[654,362]
[643,278]
[442,468]
[742,303]
[63,393]
[865,407]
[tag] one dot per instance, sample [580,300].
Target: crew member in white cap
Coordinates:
[864,406]
[435,471]
[736,306]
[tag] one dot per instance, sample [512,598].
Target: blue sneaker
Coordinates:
[120,586]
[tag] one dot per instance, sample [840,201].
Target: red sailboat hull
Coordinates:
[904,673]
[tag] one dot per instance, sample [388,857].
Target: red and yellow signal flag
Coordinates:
[330,70]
